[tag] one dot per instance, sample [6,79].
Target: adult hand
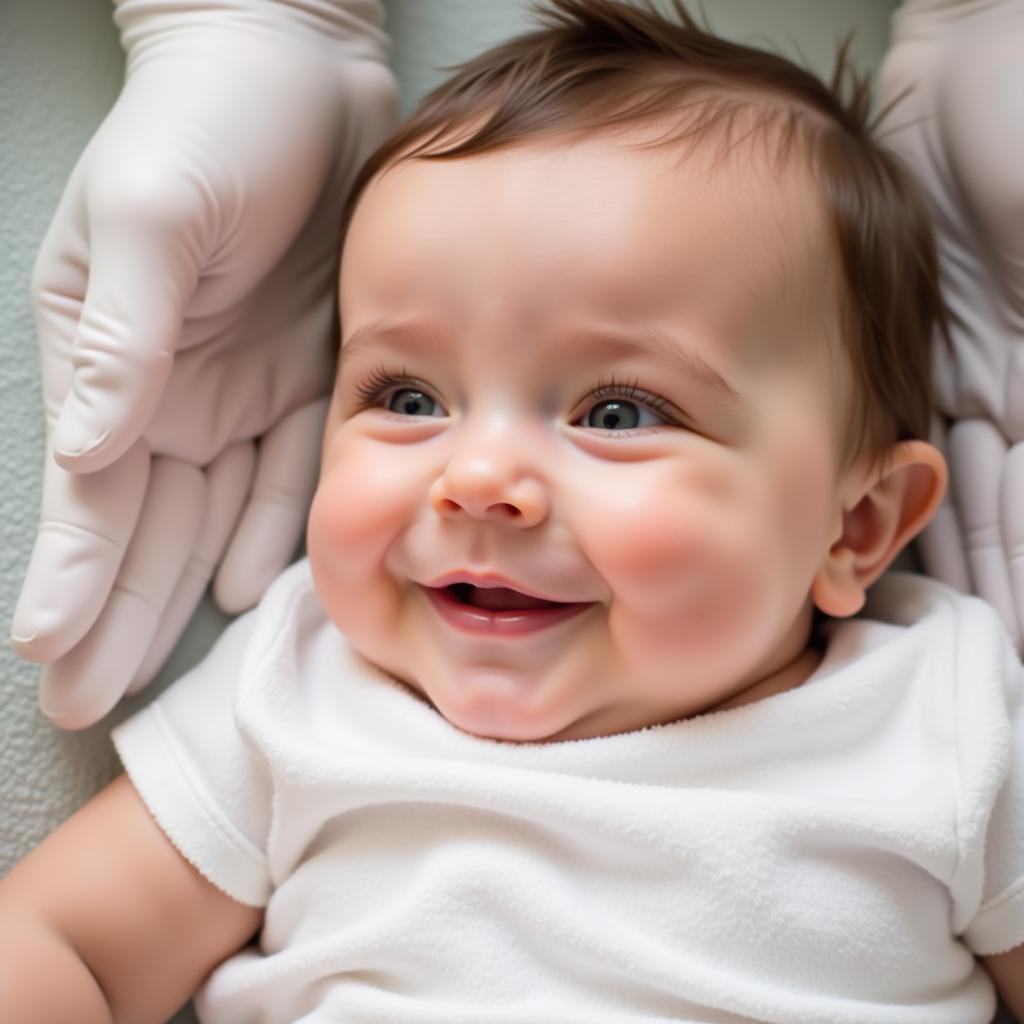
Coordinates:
[960,126]
[184,299]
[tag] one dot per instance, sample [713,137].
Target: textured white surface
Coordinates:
[60,69]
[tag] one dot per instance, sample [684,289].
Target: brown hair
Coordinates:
[603,64]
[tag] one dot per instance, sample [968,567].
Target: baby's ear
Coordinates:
[885,510]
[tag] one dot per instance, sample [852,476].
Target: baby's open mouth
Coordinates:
[497,599]
[499,613]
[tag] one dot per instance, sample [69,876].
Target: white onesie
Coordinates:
[831,854]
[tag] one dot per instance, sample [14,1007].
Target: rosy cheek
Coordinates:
[664,537]
[341,522]
[681,560]
[350,530]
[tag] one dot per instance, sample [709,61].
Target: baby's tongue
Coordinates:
[498,599]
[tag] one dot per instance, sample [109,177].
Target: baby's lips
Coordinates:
[490,581]
[500,598]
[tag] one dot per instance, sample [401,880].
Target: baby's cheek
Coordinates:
[350,530]
[366,493]
[341,523]
[661,552]
[685,575]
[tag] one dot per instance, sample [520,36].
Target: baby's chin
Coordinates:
[497,714]
[494,710]
[501,723]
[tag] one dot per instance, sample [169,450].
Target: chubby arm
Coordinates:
[105,921]
[1007,970]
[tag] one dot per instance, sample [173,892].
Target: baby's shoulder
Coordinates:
[936,645]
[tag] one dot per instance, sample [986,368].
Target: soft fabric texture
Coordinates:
[831,854]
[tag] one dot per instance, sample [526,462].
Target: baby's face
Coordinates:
[583,457]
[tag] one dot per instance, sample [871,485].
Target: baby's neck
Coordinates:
[789,677]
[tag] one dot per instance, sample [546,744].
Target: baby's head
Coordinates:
[634,376]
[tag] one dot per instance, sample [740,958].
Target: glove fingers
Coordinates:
[122,351]
[941,545]
[228,480]
[85,526]
[1013,529]
[273,521]
[81,687]
[59,280]
[977,457]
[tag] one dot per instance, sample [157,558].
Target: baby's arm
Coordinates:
[105,921]
[1007,972]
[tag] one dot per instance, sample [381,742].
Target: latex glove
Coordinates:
[961,129]
[184,299]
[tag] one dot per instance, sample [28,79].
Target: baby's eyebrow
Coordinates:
[673,353]
[603,343]
[385,330]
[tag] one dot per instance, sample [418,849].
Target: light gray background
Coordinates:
[60,71]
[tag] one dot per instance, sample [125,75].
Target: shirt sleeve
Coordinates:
[998,925]
[206,787]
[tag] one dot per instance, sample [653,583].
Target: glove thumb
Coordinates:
[123,348]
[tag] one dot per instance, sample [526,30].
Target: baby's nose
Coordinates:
[492,489]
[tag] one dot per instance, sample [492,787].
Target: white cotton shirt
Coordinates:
[832,854]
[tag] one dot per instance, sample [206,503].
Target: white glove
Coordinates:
[961,129]
[184,299]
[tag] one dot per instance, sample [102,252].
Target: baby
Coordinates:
[567,717]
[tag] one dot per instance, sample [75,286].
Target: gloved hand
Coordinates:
[184,299]
[961,128]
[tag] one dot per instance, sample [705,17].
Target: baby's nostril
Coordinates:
[509,510]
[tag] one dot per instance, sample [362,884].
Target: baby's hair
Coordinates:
[601,65]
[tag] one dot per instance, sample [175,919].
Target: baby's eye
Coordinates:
[412,402]
[397,393]
[618,414]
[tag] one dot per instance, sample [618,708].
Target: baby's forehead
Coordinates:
[740,214]
[744,159]
[748,180]
[633,218]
